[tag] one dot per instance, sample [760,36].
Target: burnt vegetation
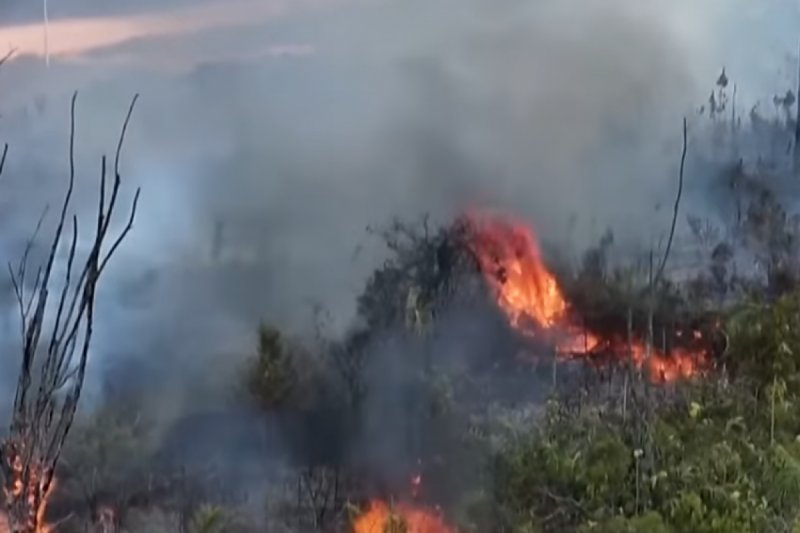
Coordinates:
[435,400]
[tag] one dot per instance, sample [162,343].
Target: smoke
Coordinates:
[265,145]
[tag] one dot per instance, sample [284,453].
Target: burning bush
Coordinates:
[532,299]
[401,518]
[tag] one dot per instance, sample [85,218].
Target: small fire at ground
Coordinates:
[35,492]
[529,294]
[406,516]
[380,517]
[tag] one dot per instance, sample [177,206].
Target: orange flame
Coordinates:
[406,518]
[509,256]
[36,477]
[528,293]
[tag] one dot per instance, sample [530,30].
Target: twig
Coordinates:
[572,502]
[124,131]
[8,55]
[660,270]
[40,424]
[3,158]
[5,146]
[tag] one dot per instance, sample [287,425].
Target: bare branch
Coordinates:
[660,270]
[8,56]
[41,423]
[122,134]
[23,262]
[3,158]
[67,280]
[5,146]
[124,232]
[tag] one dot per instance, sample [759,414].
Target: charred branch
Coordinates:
[7,56]
[5,145]
[3,157]
[53,363]
[661,266]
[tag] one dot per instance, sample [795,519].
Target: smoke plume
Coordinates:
[265,144]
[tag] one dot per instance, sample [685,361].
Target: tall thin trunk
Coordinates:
[797,118]
[628,363]
[772,411]
[46,28]
[650,311]
[734,147]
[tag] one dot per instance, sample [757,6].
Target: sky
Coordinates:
[298,123]
[79,29]
[713,31]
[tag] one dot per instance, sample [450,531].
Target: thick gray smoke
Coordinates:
[265,147]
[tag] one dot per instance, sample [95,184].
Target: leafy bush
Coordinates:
[724,454]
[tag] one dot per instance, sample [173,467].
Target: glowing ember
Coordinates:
[34,493]
[401,518]
[508,255]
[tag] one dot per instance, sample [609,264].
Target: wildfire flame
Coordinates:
[403,517]
[37,477]
[528,293]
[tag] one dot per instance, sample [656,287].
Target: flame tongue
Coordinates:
[527,292]
[405,518]
[509,256]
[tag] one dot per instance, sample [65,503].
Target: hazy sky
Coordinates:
[751,35]
[81,28]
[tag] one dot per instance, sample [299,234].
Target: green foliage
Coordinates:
[271,376]
[783,465]
[651,522]
[209,519]
[724,453]
[765,341]
[106,452]
[709,478]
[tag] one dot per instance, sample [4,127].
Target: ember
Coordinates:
[405,518]
[527,292]
[36,492]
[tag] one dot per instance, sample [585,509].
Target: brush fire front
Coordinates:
[536,308]
[402,517]
[509,257]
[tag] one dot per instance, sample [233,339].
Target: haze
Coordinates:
[296,124]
